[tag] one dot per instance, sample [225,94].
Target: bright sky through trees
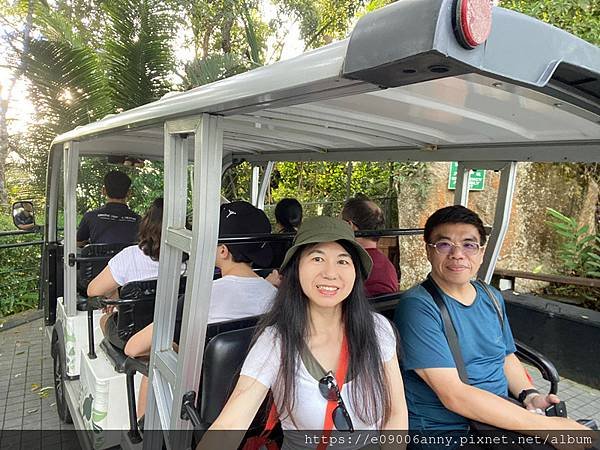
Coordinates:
[21,111]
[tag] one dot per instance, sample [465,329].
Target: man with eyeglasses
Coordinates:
[438,400]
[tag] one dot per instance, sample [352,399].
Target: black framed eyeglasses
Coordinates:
[469,248]
[329,390]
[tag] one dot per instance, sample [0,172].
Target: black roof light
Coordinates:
[472,21]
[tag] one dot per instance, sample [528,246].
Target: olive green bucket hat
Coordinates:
[328,229]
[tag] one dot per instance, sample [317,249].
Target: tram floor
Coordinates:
[27,401]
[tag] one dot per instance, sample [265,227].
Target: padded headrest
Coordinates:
[103,249]
[145,288]
[138,289]
[88,270]
[223,359]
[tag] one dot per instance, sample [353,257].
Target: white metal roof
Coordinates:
[307,108]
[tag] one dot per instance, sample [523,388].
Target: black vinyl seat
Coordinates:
[223,358]
[224,355]
[99,255]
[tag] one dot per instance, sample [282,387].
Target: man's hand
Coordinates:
[539,401]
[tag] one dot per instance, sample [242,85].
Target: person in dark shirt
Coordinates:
[363,214]
[288,214]
[114,223]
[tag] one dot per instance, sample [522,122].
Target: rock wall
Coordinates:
[529,244]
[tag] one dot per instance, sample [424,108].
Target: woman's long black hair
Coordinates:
[289,316]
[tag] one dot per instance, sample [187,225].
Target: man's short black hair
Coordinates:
[116,184]
[454,214]
[364,213]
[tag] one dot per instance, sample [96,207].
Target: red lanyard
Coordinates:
[340,377]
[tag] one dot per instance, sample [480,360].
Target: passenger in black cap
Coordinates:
[239,292]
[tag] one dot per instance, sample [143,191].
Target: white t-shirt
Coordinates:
[234,297]
[131,264]
[263,362]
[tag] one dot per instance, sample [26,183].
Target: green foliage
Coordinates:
[212,68]
[321,187]
[137,55]
[579,253]
[322,21]
[223,47]
[579,17]
[19,274]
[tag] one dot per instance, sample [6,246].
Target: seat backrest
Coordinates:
[223,359]
[88,270]
[214,329]
[385,304]
[133,317]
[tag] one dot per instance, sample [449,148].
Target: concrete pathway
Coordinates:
[27,403]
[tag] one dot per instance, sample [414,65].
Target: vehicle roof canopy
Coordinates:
[399,88]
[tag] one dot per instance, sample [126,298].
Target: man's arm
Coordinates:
[483,406]
[518,381]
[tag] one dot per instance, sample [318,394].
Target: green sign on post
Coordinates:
[476,178]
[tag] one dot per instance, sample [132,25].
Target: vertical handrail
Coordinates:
[71,162]
[506,189]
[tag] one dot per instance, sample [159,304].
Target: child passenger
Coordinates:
[320,317]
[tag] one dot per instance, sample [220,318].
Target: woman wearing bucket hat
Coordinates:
[328,359]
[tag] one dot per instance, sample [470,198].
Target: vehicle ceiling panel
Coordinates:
[469,110]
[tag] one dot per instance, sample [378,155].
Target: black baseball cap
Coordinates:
[244,219]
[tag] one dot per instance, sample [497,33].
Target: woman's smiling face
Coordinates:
[326,273]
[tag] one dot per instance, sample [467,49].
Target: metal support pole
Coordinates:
[134,432]
[90,323]
[264,185]
[254,188]
[348,179]
[506,190]
[172,375]
[163,361]
[461,193]
[71,165]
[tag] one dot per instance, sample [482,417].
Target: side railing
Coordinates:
[20,261]
[512,275]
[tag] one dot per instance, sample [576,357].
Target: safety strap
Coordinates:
[449,329]
[340,377]
[271,420]
[494,300]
